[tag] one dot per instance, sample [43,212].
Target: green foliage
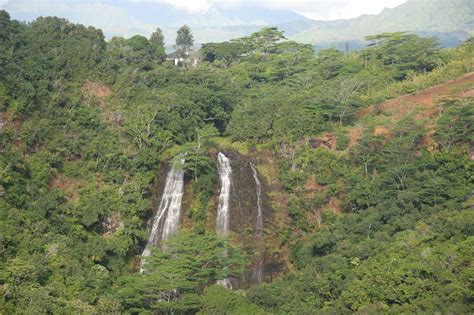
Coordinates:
[218,300]
[342,139]
[136,51]
[157,38]
[455,124]
[227,52]
[377,226]
[419,275]
[392,254]
[175,275]
[264,40]
[404,53]
[184,40]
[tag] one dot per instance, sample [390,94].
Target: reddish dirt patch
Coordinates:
[314,217]
[334,205]
[383,131]
[355,133]
[424,105]
[8,120]
[426,100]
[96,89]
[468,93]
[327,140]
[69,186]
[312,187]
[97,92]
[428,142]
[112,224]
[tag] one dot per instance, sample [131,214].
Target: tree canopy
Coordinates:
[369,203]
[184,40]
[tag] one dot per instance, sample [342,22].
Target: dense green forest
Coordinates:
[85,124]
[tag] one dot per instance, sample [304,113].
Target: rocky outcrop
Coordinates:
[244,222]
[326,141]
[112,224]
[256,233]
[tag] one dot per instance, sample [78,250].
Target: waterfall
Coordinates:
[257,274]
[222,222]
[166,219]
[225,171]
[259,225]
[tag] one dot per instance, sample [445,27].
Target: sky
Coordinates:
[128,17]
[312,9]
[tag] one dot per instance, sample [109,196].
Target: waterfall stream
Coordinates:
[257,274]
[259,225]
[166,219]
[222,221]
[225,171]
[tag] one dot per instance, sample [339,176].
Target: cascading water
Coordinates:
[257,274]
[225,171]
[166,219]
[259,225]
[222,222]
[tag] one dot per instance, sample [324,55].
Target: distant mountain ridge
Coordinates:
[452,21]
[166,15]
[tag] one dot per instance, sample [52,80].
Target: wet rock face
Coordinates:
[156,192]
[243,218]
[243,200]
[243,215]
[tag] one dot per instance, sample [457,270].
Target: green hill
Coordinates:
[447,19]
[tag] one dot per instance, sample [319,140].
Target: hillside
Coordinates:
[266,179]
[451,21]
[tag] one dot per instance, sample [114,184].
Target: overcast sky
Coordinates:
[126,17]
[313,9]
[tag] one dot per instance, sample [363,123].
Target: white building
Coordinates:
[192,58]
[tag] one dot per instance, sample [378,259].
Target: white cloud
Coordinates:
[192,6]
[314,9]
[320,9]
[110,18]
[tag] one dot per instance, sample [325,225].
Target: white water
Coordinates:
[166,219]
[259,225]
[257,274]
[222,222]
[225,172]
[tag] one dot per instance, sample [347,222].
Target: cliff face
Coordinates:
[250,197]
[244,199]
[255,206]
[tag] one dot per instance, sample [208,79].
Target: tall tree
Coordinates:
[404,53]
[227,52]
[265,39]
[184,40]
[157,38]
[157,41]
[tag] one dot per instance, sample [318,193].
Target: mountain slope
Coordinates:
[432,17]
[451,21]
